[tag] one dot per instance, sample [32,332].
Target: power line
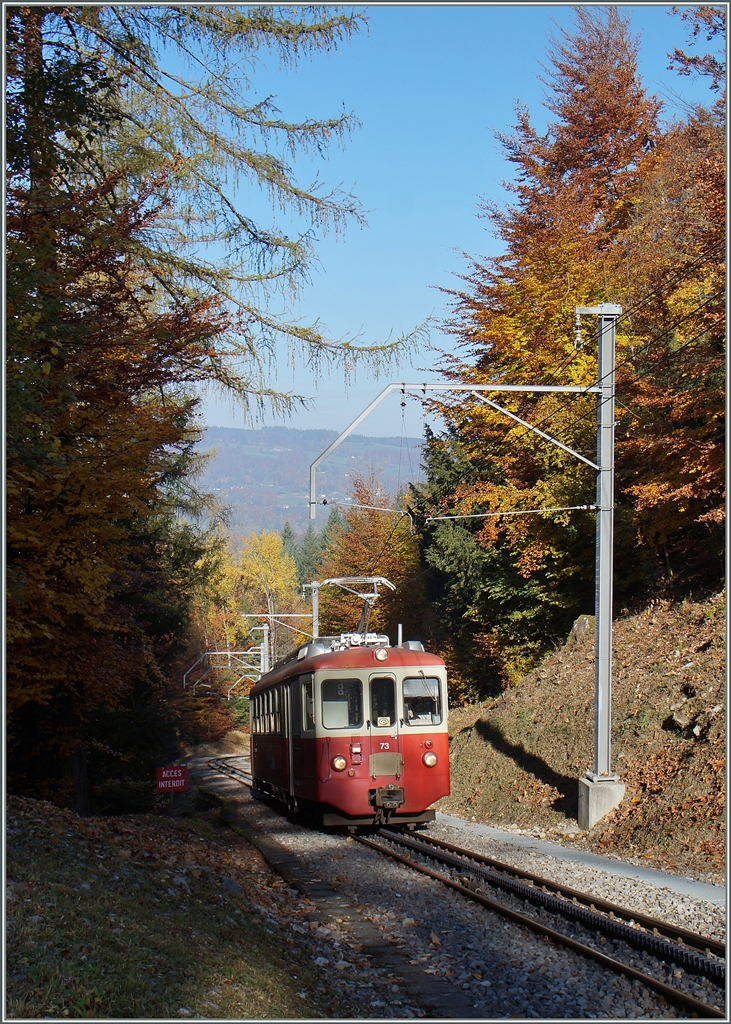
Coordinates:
[652,341]
[645,373]
[374,561]
[637,376]
[680,275]
[670,281]
[625,316]
[515,512]
[668,330]
[668,355]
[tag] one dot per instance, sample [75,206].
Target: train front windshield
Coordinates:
[422,705]
[346,702]
[342,703]
[383,701]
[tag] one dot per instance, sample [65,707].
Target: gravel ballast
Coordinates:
[704,916]
[492,968]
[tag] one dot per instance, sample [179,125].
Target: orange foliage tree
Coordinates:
[367,542]
[102,553]
[609,206]
[120,178]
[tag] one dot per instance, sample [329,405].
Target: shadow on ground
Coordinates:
[568,801]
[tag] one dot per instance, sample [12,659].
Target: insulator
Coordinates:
[578,341]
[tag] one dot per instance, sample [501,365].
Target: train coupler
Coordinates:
[389,797]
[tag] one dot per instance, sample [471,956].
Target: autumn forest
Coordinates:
[121,570]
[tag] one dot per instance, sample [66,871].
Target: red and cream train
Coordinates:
[355,729]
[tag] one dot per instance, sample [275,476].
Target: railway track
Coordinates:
[494,885]
[223,765]
[476,875]
[705,955]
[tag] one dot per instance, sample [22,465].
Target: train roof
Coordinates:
[347,652]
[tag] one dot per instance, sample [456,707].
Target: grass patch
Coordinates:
[148,917]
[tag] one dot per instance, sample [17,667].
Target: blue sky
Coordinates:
[430,84]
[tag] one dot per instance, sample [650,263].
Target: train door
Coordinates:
[303,742]
[385,759]
[287,726]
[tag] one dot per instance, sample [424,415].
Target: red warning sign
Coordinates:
[175,778]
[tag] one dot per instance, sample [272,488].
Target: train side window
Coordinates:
[308,705]
[383,701]
[278,711]
[421,700]
[342,703]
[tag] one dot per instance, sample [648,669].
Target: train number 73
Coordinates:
[385,746]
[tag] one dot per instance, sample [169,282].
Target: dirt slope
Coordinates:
[516,760]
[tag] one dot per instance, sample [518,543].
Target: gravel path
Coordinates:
[490,968]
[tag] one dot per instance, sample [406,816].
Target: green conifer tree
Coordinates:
[335,520]
[289,541]
[309,555]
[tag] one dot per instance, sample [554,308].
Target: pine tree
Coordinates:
[335,522]
[309,555]
[289,541]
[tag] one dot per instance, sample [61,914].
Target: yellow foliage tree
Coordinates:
[268,577]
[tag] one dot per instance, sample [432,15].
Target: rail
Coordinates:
[222,765]
[472,892]
[505,876]
[639,929]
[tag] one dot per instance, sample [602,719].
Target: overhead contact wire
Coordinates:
[618,366]
[527,431]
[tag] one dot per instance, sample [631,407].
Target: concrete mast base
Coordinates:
[597,798]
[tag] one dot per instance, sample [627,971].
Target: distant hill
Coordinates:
[264,475]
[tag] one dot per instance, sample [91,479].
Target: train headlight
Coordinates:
[339,763]
[380,654]
[430,759]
